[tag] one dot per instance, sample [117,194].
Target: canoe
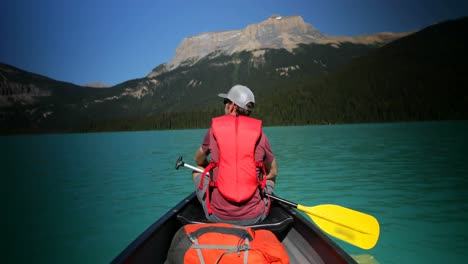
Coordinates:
[304,242]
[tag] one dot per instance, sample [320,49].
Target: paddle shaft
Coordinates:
[269,195]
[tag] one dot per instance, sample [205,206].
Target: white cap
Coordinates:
[240,95]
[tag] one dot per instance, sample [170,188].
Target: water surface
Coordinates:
[78,198]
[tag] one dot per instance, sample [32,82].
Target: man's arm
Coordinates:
[201,160]
[272,171]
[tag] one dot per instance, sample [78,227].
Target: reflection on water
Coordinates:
[365,259]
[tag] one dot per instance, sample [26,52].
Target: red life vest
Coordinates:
[237,179]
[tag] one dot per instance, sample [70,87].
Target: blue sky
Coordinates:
[111,41]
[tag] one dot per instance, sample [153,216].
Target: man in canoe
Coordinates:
[242,164]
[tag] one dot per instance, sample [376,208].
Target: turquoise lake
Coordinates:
[82,198]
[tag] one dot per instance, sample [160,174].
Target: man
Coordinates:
[241,157]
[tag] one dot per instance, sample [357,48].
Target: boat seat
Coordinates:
[278,220]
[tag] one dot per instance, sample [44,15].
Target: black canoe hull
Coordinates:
[304,242]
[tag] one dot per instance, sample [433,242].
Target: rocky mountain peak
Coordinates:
[278,32]
[275,32]
[97,85]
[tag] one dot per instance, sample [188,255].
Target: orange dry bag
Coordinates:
[225,243]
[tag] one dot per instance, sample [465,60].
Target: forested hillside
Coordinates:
[419,77]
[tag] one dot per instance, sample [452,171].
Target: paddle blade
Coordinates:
[356,228]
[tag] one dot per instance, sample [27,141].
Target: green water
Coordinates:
[82,198]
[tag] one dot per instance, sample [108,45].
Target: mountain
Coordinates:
[276,32]
[299,76]
[422,76]
[97,85]
[30,102]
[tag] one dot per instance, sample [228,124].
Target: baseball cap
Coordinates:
[240,95]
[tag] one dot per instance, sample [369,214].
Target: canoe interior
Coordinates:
[303,241]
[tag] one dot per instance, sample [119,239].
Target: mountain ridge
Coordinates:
[417,77]
[273,33]
[97,85]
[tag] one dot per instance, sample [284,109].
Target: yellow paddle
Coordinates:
[356,228]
